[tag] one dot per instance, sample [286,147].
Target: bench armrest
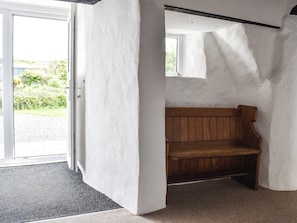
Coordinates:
[250,136]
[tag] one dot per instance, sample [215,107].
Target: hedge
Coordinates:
[36,100]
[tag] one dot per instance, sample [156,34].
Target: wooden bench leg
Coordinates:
[252,163]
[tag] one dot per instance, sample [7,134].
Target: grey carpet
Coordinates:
[226,201]
[29,193]
[217,201]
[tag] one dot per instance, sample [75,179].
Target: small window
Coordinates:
[171,62]
[185,56]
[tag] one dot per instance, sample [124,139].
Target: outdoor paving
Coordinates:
[38,135]
[40,148]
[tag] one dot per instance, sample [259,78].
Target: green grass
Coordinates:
[43,112]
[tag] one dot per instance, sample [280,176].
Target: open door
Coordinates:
[33,68]
[71,156]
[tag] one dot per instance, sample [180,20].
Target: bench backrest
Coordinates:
[209,124]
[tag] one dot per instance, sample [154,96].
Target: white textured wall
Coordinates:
[123,66]
[109,60]
[193,56]
[152,177]
[263,11]
[283,141]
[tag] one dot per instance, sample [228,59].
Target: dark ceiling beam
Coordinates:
[91,2]
[215,16]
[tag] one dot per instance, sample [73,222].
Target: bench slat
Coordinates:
[201,112]
[185,152]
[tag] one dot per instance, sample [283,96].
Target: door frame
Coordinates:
[9,9]
[8,85]
[71,155]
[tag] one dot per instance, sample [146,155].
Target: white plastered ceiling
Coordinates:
[182,23]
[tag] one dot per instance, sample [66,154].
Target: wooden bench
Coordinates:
[207,143]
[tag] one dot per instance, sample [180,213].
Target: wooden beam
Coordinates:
[215,16]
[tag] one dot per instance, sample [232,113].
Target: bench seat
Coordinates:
[207,143]
[192,151]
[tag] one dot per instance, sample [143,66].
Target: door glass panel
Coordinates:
[1,90]
[39,77]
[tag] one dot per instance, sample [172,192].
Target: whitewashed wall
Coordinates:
[283,141]
[108,57]
[125,137]
[152,176]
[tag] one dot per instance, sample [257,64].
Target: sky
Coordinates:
[38,39]
[41,2]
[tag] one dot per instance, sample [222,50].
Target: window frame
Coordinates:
[35,10]
[179,50]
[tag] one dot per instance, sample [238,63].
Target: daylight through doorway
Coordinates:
[40,50]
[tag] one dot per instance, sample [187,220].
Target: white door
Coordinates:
[71,156]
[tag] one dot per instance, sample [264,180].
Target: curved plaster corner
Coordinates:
[234,46]
[283,142]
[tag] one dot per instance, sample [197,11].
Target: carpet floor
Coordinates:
[218,201]
[30,193]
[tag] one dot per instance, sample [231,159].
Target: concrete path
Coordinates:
[37,135]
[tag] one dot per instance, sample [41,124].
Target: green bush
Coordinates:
[37,97]
[29,77]
[42,88]
[62,70]
[57,68]
[54,83]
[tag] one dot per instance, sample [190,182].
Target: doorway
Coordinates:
[34,84]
